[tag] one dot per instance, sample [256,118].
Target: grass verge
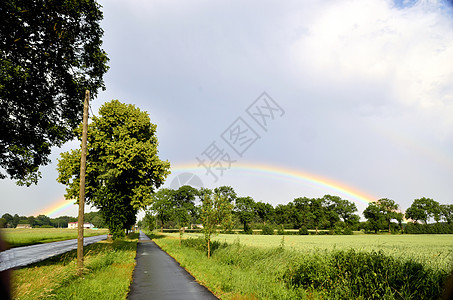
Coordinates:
[236,271]
[17,237]
[107,275]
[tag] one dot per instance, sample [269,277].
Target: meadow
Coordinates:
[315,267]
[108,268]
[16,237]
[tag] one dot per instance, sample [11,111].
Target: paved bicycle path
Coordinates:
[158,276]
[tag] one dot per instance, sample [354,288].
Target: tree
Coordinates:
[163,205]
[344,209]
[123,168]
[50,54]
[184,201]
[381,213]
[227,192]
[375,218]
[149,221]
[216,211]
[95,218]
[3,223]
[264,211]
[9,219]
[245,208]
[447,212]
[42,220]
[423,209]
[185,210]
[303,211]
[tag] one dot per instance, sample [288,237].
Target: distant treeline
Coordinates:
[11,221]
[173,209]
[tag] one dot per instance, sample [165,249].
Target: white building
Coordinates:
[74,225]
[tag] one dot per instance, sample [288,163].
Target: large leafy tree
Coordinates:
[423,209]
[381,213]
[264,211]
[50,52]
[163,205]
[245,209]
[123,168]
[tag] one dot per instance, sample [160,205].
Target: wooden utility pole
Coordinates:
[83,162]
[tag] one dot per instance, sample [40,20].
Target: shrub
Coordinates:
[351,275]
[267,230]
[281,230]
[201,244]
[303,230]
[348,231]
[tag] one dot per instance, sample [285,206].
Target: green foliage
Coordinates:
[267,230]
[216,211]
[424,209]
[163,205]
[200,244]
[436,228]
[50,53]
[123,168]
[381,213]
[303,230]
[245,209]
[281,230]
[351,274]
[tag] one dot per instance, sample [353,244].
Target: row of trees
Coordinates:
[11,221]
[183,207]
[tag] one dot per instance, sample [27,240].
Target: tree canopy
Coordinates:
[50,53]
[123,168]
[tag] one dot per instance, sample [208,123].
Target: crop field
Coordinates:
[16,237]
[317,267]
[434,250]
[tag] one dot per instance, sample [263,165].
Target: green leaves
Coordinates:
[123,168]
[50,52]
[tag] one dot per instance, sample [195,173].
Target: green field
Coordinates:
[435,250]
[318,267]
[16,237]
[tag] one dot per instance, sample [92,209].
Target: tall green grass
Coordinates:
[16,237]
[281,272]
[107,274]
[433,250]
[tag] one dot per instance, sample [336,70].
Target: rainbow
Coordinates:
[285,172]
[60,206]
[263,169]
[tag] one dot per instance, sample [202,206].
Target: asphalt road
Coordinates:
[22,256]
[158,276]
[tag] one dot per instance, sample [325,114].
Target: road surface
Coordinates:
[22,256]
[159,276]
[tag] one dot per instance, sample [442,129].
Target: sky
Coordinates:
[282,99]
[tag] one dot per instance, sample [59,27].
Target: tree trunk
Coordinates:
[209,248]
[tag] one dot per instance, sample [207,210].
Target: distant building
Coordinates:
[74,225]
[23,226]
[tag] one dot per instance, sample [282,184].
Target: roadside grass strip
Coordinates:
[108,268]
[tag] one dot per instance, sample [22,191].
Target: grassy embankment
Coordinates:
[342,267]
[16,237]
[107,275]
